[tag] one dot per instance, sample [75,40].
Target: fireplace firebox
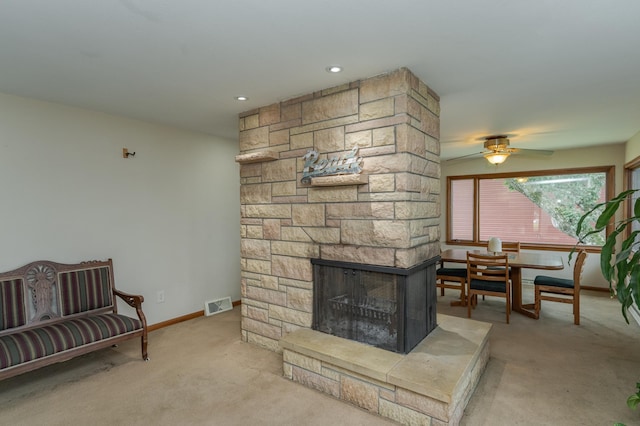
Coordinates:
[390,308]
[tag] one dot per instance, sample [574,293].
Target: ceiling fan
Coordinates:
[497,150]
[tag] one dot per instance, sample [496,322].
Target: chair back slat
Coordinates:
[509,247]
[488,267]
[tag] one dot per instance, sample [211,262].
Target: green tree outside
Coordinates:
[566,198]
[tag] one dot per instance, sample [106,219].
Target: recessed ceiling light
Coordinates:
[242,98]
[334,68]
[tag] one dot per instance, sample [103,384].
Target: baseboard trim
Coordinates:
[176,320]
[183,318]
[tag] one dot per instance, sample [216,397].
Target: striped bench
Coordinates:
[51,312]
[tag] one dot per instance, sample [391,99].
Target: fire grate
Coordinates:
[365,307]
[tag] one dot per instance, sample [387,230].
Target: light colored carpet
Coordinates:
[552,372]
[545,372]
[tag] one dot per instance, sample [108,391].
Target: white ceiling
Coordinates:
[556,74]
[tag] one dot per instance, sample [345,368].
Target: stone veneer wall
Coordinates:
[392,220]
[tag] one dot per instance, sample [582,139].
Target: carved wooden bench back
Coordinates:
[43,291]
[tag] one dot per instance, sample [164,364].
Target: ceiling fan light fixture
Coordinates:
[496,157]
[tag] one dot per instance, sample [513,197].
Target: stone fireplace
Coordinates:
[386,216]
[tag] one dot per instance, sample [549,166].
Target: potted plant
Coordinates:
[621,268]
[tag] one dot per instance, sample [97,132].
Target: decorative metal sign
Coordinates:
[348,163]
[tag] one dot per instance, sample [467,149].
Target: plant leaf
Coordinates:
[633,401]
[611,207]
[636,208]
[605,255]
[585,216]
[634,283]
[607,214]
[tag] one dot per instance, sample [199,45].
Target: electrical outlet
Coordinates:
[160,297]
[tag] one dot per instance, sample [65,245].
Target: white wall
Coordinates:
[613,154]
[169,217]
[632,150]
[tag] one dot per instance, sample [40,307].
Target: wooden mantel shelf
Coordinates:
[337,180]
[257,157]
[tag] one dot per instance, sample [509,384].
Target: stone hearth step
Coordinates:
[430,385]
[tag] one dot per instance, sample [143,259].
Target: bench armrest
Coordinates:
[135,301]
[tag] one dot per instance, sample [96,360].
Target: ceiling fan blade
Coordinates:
[475,154]
[528,151]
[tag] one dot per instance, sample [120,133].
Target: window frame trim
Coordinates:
[629,167]
[609,172]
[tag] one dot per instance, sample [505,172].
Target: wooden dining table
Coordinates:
[517,262]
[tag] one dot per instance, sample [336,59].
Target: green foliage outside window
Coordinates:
[566,198]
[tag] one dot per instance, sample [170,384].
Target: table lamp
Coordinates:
[495,245]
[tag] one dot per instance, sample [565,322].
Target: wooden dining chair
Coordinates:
[561,290]
[509,247]
[488,275]
[453,278]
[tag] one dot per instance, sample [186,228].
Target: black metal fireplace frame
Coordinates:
[418,280]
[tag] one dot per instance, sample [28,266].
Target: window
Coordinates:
[632,172]
[632,175]
[539,209]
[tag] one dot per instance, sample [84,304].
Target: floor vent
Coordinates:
[216,306]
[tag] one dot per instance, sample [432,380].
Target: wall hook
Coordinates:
[127,154]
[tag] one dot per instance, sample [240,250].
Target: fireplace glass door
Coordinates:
[373,305]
